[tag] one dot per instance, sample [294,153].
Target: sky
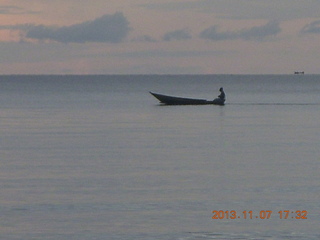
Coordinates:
[159,36]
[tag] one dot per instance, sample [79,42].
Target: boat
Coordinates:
[170,100]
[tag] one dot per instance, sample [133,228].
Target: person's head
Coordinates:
[221,89]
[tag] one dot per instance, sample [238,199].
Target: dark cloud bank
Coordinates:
[313,27]
[108,28]
[255,33]
[114,28]
[177,35]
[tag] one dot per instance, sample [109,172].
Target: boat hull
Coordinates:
[170,100]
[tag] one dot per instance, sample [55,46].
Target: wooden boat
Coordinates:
[170,100]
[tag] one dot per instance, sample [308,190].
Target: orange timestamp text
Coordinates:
[263,214]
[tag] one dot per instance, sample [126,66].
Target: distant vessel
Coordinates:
[299,73]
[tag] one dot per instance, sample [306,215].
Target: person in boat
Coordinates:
[222,95]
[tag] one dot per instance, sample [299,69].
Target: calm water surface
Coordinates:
[96,157]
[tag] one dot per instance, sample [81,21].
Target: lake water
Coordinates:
[96,157]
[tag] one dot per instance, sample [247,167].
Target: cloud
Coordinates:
[313,27]
[177,35]
[272,28]
[213,34]
[108,28]
[255,33]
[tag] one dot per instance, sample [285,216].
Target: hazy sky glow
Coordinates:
[159,36]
